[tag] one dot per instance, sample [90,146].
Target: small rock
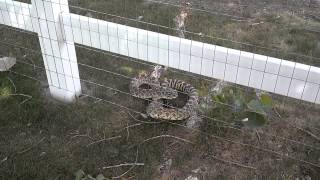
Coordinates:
[307,177]
[196,170]
[245,120]
[191,178]
[42,154]
[6,63]
[145,116]
[4,159]
[140,18]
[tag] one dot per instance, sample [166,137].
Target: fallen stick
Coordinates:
[132,166]
[121,165]
[102,140]
[167,136]
[24,95]
[28,149]
[145,122]
[234,163]
[306,131]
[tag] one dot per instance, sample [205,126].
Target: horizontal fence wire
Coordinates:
[196,34]
[99,100]
[153,24]
[89,41]
[128,94]
[118,75]
[201,35]
[35,35]
[131,60]
[262,84]
[135,61]
[283,155]
[43,67]
[311,5]
[213,11]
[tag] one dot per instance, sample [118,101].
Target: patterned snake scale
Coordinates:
[165,90]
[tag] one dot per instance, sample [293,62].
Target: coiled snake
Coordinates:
[167,89]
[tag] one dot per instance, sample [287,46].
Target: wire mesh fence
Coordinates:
[261,72]
[96,56]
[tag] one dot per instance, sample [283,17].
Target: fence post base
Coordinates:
[58,55]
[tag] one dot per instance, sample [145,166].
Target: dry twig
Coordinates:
[166,136]
[24,95]
[258,136]
[276,111]
[4,160]
[145,122]
[14,86]
[133,165]
[234,163]
[128,132]
[76,135]
[121,165]
[102,140]
[28,149]
[131,126]
[82,135]
[306,131]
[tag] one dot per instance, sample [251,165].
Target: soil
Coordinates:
[45,139]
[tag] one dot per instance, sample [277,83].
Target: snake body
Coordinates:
[168,89]
[154,88]
[157,110]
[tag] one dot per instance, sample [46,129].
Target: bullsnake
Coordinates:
[167,89]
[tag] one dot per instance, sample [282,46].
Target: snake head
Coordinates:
[158,71]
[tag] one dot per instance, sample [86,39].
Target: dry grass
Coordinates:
[44,139]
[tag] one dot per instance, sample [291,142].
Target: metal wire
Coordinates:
[122,92]
[235,18]
[197,34]
[200,35]
[190,32]
[188,74]
[238,4]
[203,116]
[283,155]
[140,62]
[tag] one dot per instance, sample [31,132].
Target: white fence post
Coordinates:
[58,55]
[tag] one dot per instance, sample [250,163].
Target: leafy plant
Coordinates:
[5,89]
[8,89]
[254,120]
[239,103]
[127,69]
[5,92]
[253,112]
[258,110]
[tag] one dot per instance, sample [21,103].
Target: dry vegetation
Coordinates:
[44,139]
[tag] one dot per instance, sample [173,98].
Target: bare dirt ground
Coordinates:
[104,132]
